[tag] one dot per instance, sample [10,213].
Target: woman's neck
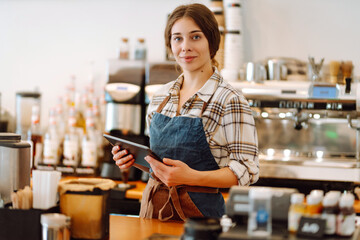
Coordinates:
[194,80]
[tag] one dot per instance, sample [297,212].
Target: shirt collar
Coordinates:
[206,91]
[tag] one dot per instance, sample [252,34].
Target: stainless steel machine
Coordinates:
[125,97]
[15,156]
[308,133]
[125,109]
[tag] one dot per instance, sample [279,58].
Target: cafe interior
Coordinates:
[77,78]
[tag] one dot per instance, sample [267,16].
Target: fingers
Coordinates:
[120,154]
[170,162]
[115,149]
[122,164]
[125,162]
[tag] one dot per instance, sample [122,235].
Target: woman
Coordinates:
[200,126]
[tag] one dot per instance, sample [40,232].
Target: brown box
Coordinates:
[85,201]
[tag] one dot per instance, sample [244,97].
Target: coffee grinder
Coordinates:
[25,101]
[125,111]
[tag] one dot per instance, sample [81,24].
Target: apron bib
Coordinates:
[180,138]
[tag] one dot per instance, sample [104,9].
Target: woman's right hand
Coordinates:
[121,157]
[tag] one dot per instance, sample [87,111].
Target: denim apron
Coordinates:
[180,138]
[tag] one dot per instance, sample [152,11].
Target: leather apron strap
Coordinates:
[176,199]
[163,103]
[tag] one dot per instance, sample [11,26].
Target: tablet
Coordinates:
[137,150]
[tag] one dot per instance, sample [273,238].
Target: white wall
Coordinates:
[43,42]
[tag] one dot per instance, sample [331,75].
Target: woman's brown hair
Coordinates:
[203,17]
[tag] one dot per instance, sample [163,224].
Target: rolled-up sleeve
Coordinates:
[241,139]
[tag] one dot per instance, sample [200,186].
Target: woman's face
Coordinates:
[189,45]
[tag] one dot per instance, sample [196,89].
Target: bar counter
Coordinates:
[123,225]
[135,228]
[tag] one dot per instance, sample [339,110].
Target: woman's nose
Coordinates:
[186,46]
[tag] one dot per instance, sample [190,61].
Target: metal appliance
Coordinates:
[305,133]
[158,74]
[15,164]
[125,109]
[24,103]
[125,97]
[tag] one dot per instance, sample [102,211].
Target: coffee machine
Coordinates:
[125,109]
[25,101]
[15,156]
[308,134]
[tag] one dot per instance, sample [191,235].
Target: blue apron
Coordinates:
[181,138]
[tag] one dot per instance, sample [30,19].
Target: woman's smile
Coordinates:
[188,59]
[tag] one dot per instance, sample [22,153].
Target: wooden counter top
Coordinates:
[134,228]
[135,193]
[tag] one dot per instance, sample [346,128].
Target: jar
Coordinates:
[313,205]
[296,211]
[55,226]
[329,212]
[259,222]
[345,221]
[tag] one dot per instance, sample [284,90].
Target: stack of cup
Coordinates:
[234,43]
[45,187]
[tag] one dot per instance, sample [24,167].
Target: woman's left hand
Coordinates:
[172,172]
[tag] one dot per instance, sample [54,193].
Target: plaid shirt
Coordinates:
[228,123]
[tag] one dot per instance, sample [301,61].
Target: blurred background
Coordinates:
[44,42]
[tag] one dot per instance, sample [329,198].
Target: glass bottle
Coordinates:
[35,136]
[89,143]
[81,104]
[296,211]
[124,49]
[99,127]
[71,142]
[60,118]
[52,141]
[140,49]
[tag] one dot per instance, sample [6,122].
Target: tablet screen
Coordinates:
[137,150]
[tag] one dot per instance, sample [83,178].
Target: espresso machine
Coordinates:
[125,109]
[308,133]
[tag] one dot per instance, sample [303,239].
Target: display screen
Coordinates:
[324,92]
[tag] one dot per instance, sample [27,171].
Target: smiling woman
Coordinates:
[206,23]
[200,126]
[190,46]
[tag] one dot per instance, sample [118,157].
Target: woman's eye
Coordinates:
[176,39]
[196,37]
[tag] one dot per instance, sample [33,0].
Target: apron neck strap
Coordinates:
[167,98]
[163,103]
